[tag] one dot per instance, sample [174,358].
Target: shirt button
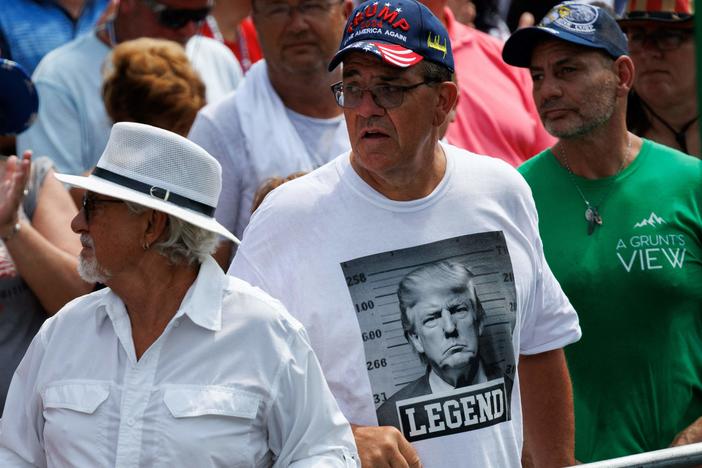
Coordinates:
[176,323]
[130,421]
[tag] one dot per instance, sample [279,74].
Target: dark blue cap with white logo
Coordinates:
[578,23]
[400,32]
[18,99]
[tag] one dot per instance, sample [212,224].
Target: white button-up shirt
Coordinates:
[231,382]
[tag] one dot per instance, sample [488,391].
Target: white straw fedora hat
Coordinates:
[160,170]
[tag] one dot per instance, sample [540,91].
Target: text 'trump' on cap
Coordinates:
[401,32]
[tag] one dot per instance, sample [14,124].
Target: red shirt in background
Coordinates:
[246,47]
[496,114]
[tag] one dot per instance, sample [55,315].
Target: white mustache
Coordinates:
[86,240]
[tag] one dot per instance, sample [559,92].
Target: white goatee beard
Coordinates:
[89,269]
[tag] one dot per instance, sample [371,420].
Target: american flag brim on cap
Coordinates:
[393,54]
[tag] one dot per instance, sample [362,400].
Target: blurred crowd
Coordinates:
[541,157]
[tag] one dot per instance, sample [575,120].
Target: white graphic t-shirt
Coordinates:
[417,310]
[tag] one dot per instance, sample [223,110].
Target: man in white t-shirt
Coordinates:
[283,118]
[334,245]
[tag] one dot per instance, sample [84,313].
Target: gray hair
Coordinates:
[453,275]
[434,72]
[185,243]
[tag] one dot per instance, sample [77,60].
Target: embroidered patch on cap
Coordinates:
[573,17]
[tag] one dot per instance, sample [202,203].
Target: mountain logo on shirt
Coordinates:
[652,220]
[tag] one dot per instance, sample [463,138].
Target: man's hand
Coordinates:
[12,186]
[690,435]
[384,447]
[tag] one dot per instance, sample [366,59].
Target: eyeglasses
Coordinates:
[663,39]
[89,203]
[280,11]
[385,96]
[177,18]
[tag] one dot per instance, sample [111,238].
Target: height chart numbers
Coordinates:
[392,362]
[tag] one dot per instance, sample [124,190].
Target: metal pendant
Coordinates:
[593,219]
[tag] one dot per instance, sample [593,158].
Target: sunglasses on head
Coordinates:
[177,18]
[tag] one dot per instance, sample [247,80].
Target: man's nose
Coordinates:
[549,89]
[368,107]
[447,322]
[79,223]
[296,21]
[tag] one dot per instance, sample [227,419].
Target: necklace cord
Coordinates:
[592,212]
[680,136]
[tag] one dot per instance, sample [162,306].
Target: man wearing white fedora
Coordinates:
[174,364]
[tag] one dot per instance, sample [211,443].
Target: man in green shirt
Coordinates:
[621,222]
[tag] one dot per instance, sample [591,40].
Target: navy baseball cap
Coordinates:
[18,99]
[401,32]
[578,23]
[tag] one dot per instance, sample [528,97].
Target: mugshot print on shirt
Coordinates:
[437,322]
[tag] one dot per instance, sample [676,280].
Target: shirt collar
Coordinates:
[202,303]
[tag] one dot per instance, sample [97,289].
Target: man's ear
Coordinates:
[625,71]
[448,95]
[156,224]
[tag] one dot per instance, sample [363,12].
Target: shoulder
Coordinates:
[309,194]
[202,44]
[221,114]
[671,158]
[486,173]
[257,310]
[207,54]
[74,317]
[535,165]
[413,389]
[69,59]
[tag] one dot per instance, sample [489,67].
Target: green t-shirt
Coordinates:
[636,284]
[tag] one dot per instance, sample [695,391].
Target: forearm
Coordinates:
[547,406]
[50,272]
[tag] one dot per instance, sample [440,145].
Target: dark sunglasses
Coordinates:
[175,18]
[89,203]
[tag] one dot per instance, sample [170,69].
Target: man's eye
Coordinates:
[312,7]
[387,90]
[280,9]
[351,89]
[431,319]
[537,76]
